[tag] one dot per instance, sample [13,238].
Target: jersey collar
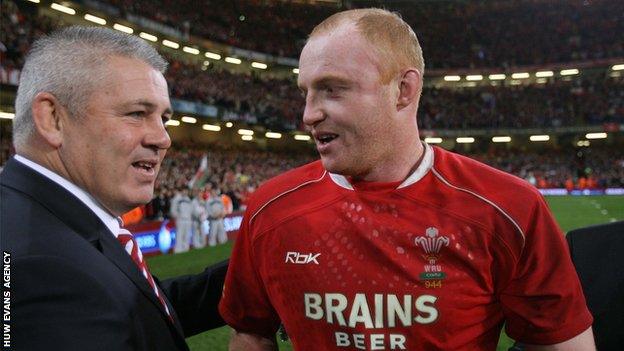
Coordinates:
[418,174]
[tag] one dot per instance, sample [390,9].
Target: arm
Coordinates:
[195,298]
[581,342]
[250,342]
[543,303]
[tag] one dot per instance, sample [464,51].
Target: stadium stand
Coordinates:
[276,102]
[453,33]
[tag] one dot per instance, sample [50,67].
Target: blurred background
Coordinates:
[532,87]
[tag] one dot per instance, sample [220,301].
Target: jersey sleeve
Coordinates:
[245,305]
[544,302]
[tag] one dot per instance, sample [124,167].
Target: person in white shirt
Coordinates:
[89,137]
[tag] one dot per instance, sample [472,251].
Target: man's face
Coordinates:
[348,110]
[114,150]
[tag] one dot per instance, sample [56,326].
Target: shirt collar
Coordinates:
[418,174]
[108,219]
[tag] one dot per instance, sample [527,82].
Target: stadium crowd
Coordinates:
[454,34]
[277,103]
[237,173]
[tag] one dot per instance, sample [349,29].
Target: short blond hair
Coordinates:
[394,40]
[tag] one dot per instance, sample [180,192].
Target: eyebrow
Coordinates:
[329,79]
[147,104]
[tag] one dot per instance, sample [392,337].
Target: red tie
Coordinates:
[132,248]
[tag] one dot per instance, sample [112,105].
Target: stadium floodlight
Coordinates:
[569,72]
[246,137]
[211,127]
[501,139]
[64,9]
[465,140]
[520,75]
[172,122]
[544,74]
[148,36]
[452,78]
[233,60]
[273,135]
[35,1]
[541,80]
[474,77]
[122,28]
[7,115]
[295,70]
[596,135]
[212,55]
[619,67]
[539,137]
[188,119]
[229,124]
[302,137]
[515,82]
[190,50]
[171,44]
[433,140]
[582,143]
[259,65]
[95,19]
[245,132]
[498,76]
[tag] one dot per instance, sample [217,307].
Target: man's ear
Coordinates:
[410,86]
[46,114]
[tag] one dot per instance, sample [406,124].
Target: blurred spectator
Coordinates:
[278,105]
[453,34]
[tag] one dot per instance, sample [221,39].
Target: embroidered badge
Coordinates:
[432,243]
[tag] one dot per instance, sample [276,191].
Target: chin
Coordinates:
[334,166]
[140,198]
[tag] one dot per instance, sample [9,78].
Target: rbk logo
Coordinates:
[299,258]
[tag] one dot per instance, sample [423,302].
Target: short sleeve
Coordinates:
[245,305]
[544,302]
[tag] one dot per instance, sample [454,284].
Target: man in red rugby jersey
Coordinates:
[388,243]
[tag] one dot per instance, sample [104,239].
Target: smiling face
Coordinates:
[115,148]
[350,112]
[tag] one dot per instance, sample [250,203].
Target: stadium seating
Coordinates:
[454,34]
[277,103]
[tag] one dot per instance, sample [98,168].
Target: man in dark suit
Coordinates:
[89,136]
[597,253]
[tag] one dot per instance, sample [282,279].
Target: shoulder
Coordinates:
[286,184]
[464,172]
[505,195]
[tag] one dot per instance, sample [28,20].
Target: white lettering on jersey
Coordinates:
[360,312]
[389,311]
[299,258]
[313,308]
[371,342]
[424,304]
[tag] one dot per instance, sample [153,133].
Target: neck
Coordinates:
[398,166]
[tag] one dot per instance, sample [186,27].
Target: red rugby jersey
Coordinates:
[437,262]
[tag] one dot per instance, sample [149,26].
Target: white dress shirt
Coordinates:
[111,222]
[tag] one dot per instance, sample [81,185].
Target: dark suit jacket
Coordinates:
[73,287]
[598,254]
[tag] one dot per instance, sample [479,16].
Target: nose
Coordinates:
[157,136]
[312,113]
